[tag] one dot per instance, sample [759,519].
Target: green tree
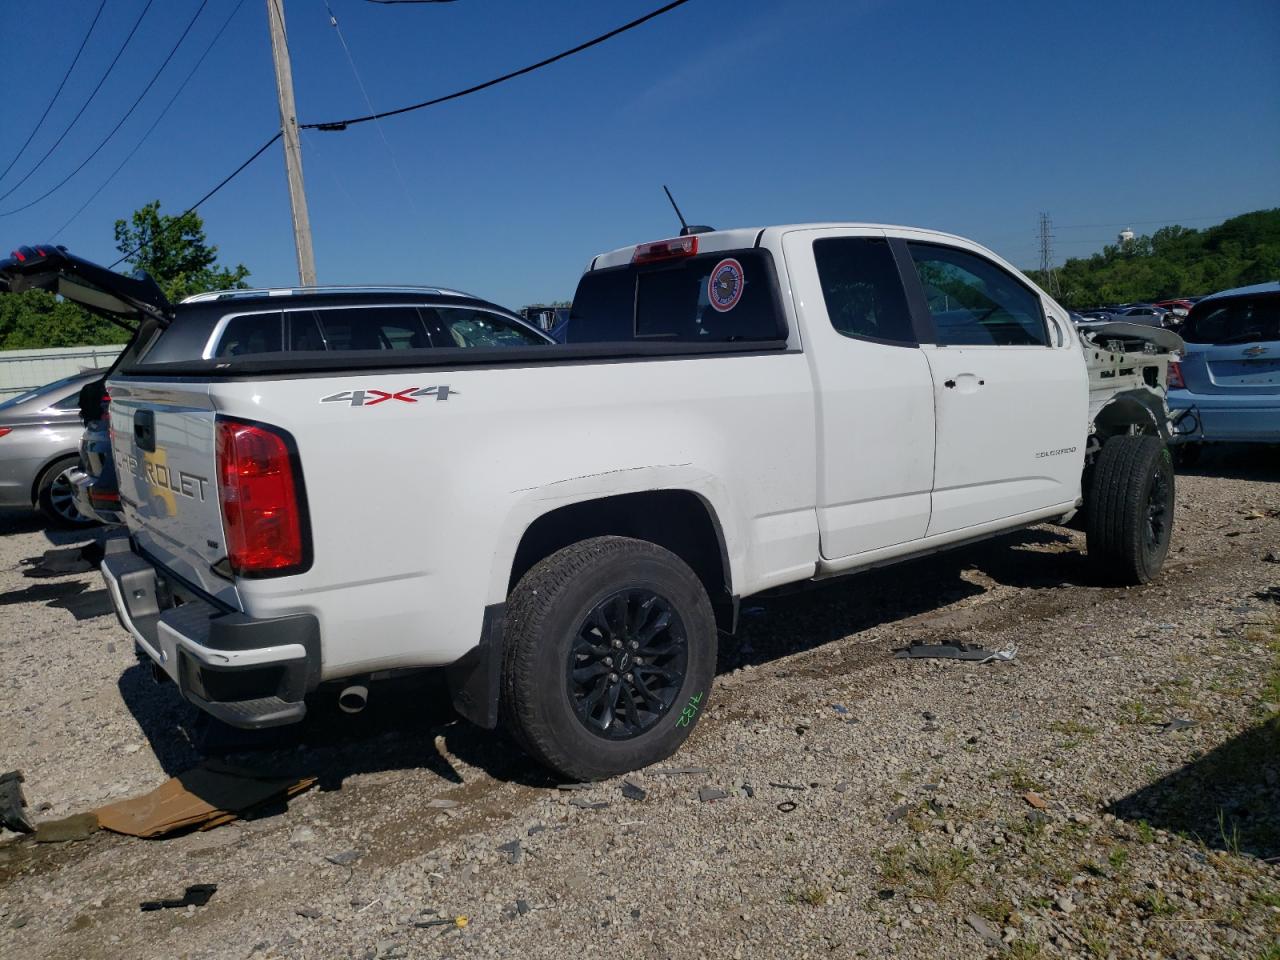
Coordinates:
[175,251]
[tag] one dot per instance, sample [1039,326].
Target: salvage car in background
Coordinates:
[39,443]
[1228,383]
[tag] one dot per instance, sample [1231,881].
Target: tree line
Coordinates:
[1173,262]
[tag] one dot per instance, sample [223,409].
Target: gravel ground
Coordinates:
[871,806]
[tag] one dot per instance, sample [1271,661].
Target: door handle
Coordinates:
[967,383]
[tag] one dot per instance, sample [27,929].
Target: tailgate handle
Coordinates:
[144,430]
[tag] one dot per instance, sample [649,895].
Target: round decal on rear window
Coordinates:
[724,286]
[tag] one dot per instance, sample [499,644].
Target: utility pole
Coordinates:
[1046,255]
[292,146]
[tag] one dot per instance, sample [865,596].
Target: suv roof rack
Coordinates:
[213,295]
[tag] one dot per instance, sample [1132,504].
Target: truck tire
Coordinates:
[610,651]
[1130,506]
[54,496]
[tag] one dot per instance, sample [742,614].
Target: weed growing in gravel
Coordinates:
[893,863]
[1024,949]
[1019,777]
[812,896]
[1230,838]
[1267,899]
[1074,729]
[938,872]
[1137,712]
[997,911]
[1157,904]
[1146,832]
[1118,857]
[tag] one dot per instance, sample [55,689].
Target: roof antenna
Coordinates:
[685,229]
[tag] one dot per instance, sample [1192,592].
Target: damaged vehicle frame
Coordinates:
[736,411]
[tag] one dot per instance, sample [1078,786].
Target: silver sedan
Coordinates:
[39,447]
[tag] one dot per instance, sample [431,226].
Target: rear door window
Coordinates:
[362,328]
[720,297]
[973,302]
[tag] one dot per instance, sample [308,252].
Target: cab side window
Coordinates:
[975,303]
[862,289]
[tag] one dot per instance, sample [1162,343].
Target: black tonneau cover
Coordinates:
[125,301]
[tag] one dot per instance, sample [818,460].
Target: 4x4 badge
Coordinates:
[371,398]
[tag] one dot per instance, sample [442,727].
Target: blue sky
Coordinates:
[967,117]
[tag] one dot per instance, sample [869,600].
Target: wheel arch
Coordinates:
[1130,408]
[676,519]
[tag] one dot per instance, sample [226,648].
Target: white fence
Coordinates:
[21,370]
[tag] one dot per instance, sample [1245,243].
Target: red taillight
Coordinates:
[1175,376]
[665,250]
[5,430]
[106,408]
[261,502]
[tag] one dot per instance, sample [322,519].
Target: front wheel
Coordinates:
[1130,509]
[610,655]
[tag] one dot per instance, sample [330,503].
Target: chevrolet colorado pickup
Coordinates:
[564,528]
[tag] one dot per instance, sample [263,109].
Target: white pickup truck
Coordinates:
[564,527]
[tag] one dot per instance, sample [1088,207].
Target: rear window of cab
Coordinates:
[721,297]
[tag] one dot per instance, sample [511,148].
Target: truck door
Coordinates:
[1010,392]
[873,390]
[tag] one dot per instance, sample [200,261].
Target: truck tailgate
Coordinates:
[163,442]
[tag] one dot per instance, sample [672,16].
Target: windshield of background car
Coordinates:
[1234,320]
[720,297]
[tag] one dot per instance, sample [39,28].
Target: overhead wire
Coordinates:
[56,93]
[128,113]
[155,123]
[395,166]
[426,103]
[85,105]
[332,125]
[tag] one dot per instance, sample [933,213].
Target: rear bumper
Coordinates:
[1252,418]
[247,672]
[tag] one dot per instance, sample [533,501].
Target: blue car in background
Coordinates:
[1229,379]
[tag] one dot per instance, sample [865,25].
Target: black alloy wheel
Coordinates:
[627,663]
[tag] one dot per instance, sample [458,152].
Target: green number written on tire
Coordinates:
[690,710]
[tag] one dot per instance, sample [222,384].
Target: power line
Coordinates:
[1139,223]
[155,123]
[54,99]
[225,180]
[352,121]
[369,103]
[85,105]
[128,113]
